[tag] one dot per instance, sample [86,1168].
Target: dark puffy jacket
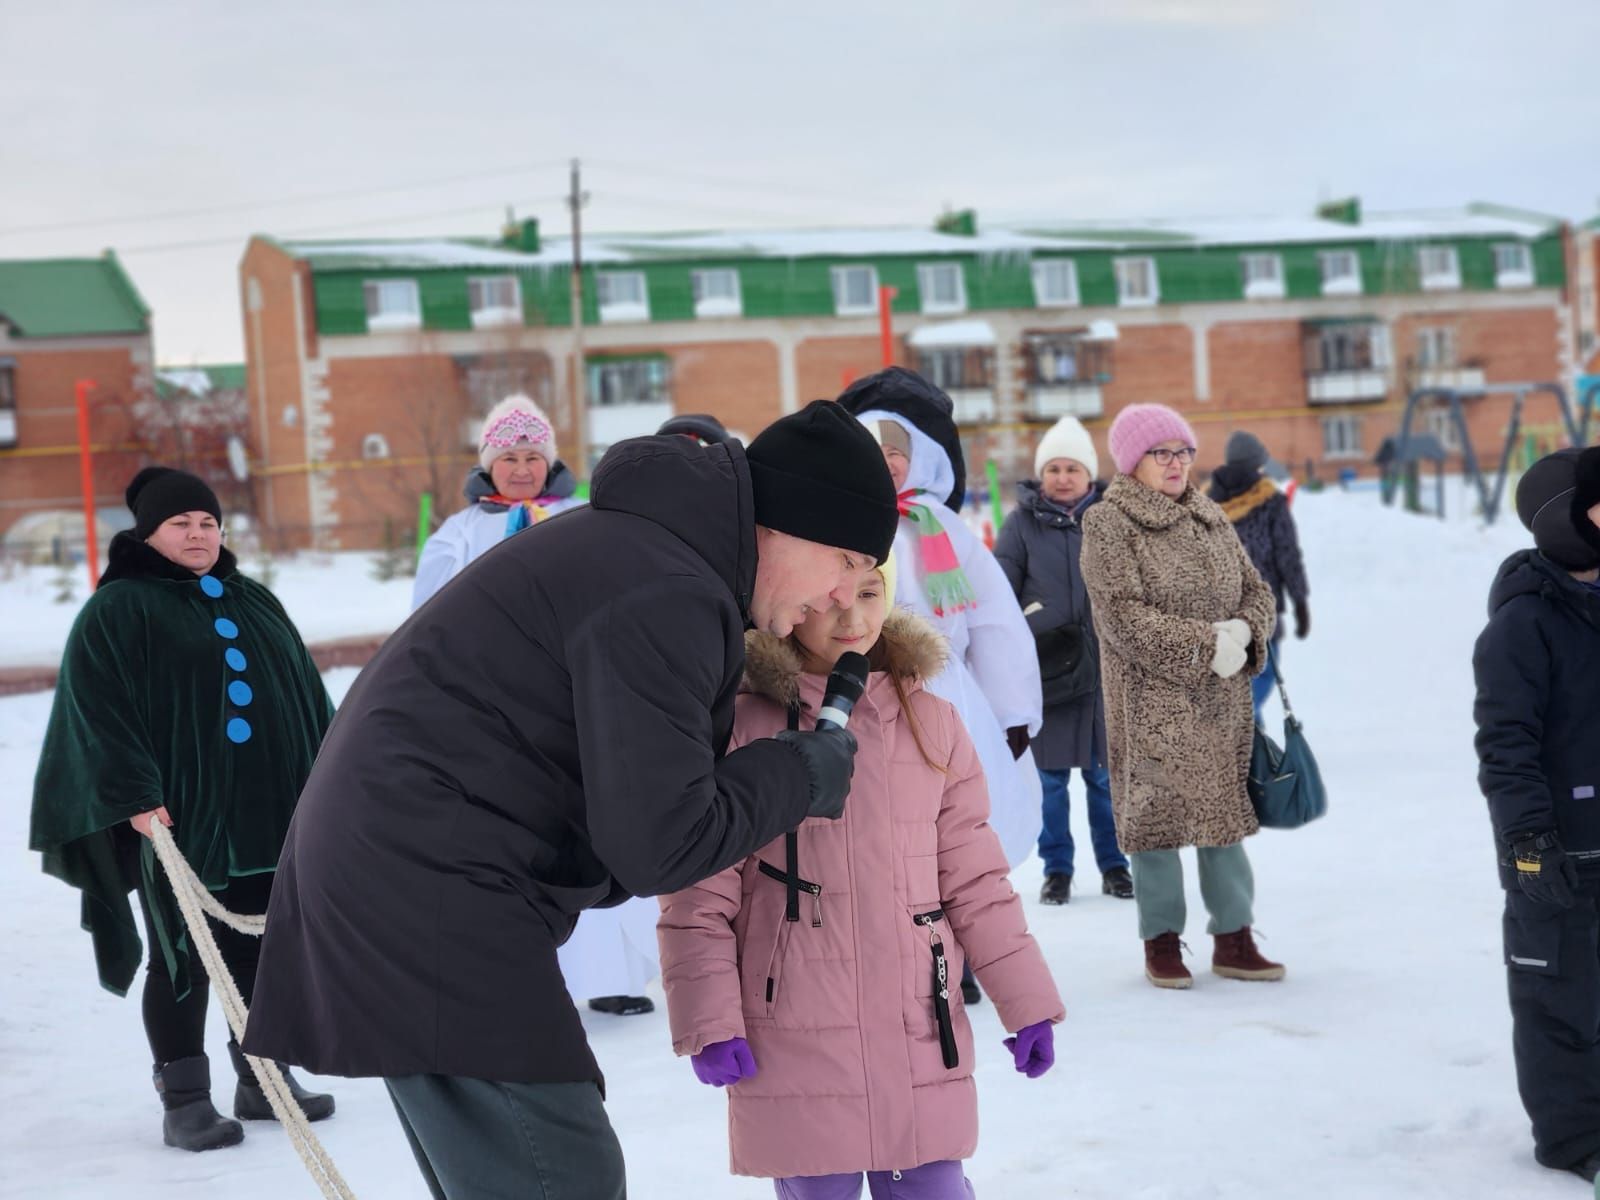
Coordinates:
[1038,549]
[547,735]
[1261,517]
[1537,665]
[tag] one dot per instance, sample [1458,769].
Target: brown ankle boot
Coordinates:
[1236,957]
[1163,962]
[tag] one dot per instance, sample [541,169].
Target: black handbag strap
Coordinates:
[1277,677]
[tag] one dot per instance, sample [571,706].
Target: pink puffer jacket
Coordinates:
[838,1004]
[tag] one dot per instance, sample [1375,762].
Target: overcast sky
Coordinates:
[429,118]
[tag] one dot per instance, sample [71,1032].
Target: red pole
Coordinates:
[86,480]
[885,330]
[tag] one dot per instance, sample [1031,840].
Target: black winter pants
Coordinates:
[1553,965]
[475,1139]
[177,1028]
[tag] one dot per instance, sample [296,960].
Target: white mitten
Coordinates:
[1236,629]
[1229,658]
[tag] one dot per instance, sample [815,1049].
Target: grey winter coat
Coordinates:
[1038,549]
[1160,572]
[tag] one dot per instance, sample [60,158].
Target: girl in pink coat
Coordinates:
[814,978]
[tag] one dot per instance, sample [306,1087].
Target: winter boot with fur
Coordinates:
[191,1122]
[1163,962]
[1236,957]
[250,1102]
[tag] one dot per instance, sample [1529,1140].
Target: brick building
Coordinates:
[61,321]
[369,361]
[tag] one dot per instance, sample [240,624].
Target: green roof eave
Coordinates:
[71,297]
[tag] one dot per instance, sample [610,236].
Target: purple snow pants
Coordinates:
[931,1181]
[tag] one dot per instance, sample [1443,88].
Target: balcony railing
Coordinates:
[1050,401]
[1462,379]
[1342,387]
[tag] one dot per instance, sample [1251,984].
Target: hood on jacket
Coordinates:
[1156,510]
[130,557]
[1232,479]
[1530,573]
[913,652]
[924,407]
[700,494]
[1239,505]
[478,486]
[1031,498]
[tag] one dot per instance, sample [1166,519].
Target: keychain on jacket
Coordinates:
[941,988]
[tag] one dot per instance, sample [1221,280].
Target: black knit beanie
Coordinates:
[1585,495]
[157,493]
[1246,451]
[818,475]
[1546,499]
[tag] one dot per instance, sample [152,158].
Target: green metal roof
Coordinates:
[67,297]
[200,379]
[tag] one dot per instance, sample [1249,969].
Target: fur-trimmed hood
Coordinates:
[915,652]
[1239,506]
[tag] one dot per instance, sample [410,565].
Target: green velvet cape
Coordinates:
[193,693]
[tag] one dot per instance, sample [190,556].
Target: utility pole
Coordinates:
[576,199]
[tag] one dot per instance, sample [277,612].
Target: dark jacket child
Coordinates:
[187,697]
[1537,665]
[1261,517]
[1039,549]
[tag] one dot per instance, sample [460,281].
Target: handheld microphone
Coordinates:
[845,685]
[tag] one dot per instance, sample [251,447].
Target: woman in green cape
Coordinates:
[187,697]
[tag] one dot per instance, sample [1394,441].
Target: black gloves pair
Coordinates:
[830,758]
[1302,619]
[1544,872]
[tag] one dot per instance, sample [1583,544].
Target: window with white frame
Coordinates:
[955,368]
[1136,281]
[942,287]
[1341,436]
[1347,346]
[494,300]
[1062,359]
[1263,276]
[622,295]
[1055,283]
[855,290]
[1341,273]
[1439,267]
[1436,347]
[1513,265]
[392,304]
[8,402]
[630,381]
[716,292]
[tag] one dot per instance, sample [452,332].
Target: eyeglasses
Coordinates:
[1164,457]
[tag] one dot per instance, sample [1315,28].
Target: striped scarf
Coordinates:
[948,589]
[519,513]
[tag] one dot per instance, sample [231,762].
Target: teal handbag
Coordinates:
[1285,784]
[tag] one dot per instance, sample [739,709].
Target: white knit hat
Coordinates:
[516,423]
[1067,438]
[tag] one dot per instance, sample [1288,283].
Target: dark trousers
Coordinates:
[479,1140]
[1553,967]
[177,1028]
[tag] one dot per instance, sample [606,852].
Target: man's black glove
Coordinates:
[1544,872]
[830,756]
[1302,618]
[1017,739]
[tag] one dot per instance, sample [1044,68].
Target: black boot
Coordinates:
[623,1006]
[1057,889]
[250,1102]
[191,1122]
[1117,882]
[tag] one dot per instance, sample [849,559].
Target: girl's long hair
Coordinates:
[878,659]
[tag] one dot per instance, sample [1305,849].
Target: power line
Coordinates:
[254,205]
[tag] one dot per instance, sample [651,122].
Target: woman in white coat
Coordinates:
[518,483]
[949,576]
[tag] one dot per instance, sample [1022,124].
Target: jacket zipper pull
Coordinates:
[816,905]
[941,1002]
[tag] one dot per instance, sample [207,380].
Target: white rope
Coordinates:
[194,901]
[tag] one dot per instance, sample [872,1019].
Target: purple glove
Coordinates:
[722,1063]
[1033,1048]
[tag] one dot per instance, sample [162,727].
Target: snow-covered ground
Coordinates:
[1380,1068]
[326,595]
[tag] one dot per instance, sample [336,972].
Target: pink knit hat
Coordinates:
[1142,426]
[516,423]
